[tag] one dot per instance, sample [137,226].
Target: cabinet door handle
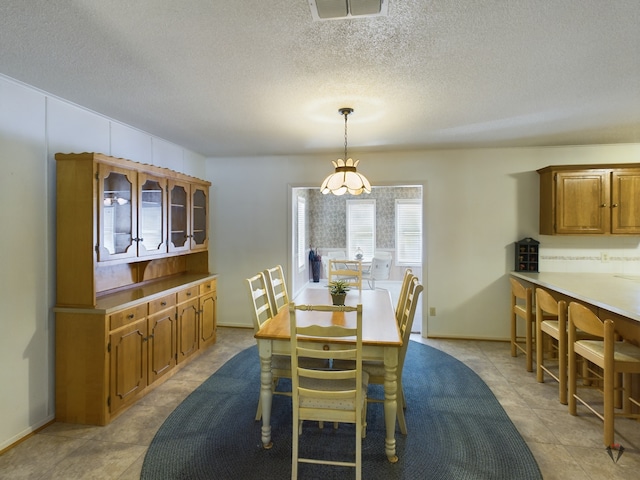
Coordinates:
[603,205]
[614,205]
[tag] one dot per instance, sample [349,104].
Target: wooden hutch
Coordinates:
[135,300]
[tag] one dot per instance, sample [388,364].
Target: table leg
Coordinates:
[266,393]
[390,401]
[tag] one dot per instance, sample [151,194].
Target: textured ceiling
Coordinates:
[245,77]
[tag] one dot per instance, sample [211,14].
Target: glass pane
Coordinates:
[199,217]
[178,216]
[150,227]
[117,214]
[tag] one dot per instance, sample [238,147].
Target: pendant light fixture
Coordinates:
[345,178]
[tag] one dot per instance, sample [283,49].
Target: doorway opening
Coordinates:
[390,220]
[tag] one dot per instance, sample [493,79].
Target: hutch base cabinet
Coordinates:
[135,301]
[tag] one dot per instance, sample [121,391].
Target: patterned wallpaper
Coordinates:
[328,216]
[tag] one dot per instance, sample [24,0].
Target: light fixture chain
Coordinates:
[345,136]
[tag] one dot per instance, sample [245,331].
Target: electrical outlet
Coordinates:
[604,257]
[432,311]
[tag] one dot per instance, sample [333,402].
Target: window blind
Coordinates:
[361,228]
[408,232]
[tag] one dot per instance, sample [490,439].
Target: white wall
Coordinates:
[478,202]
[33,128]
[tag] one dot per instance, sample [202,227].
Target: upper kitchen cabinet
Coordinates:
[590,199]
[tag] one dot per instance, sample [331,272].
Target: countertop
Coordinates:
[133,296]
[615,292]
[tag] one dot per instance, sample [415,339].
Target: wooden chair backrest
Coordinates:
[402,298]
[277,288]
[347,270]
[352,352]
[408,314]
[332,255]
[521,299]
[581,318]
[547,306]
[257,287]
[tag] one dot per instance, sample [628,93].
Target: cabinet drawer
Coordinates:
[163,303]
[187,294]
[207,287]
[129,315]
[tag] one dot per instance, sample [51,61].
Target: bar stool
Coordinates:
[551,320]
[522,307]
[612,356]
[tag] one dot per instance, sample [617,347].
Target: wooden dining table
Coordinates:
[381,341]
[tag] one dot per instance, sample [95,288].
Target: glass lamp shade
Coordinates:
[345,179]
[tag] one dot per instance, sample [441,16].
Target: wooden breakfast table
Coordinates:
[380,339]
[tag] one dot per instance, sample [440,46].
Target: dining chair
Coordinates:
[276,288]
[612,356]
[280,364]
[335,395]
[522,308]
[402,296]
[376,370]
[347,270]
[332,255]
[380,268]
[551,323]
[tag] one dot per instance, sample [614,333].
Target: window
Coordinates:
[302,233]
[408,232]
[361,228]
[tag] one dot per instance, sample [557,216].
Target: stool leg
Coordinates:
[572,382]
[562,365]
[514,351]
[539,354]
[609,383]
[529,344]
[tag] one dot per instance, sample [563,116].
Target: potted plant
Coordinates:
[338,290]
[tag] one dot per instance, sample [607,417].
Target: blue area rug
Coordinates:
[456,430]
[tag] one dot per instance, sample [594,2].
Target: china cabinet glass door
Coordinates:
[178,216]
[117,219]
[152,216]
[199,219]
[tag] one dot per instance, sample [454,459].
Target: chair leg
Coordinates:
[400,413]
[297,430]
[562,369]
[529,347]
[626,393]
[572,384]
[514,351]
[539,355]
[608,404]
[259,410]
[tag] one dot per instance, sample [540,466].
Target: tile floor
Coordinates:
[565,447]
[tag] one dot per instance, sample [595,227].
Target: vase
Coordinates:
[315,270]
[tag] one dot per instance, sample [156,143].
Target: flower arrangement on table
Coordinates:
[338,290]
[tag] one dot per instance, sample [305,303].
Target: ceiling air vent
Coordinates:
[340,9]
